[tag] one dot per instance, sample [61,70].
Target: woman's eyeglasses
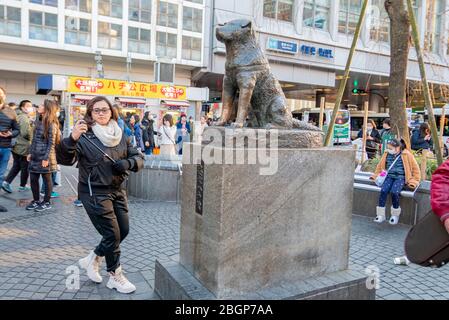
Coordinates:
[101,111]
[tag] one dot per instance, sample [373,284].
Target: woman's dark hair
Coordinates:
[388,122]
[371,121]
[137,118]
[424,129]
[90,106]
[169,118]
[145,116]
[23,103]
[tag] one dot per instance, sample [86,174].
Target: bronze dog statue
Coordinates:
[249,79]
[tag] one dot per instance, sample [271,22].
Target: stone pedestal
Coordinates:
[281,236]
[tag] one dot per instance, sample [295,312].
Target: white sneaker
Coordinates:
[117,280]
[92,264]
[380,215]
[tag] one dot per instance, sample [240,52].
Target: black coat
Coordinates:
[371,144]
[148,132]
[96,175]
[8,122]
[43,149]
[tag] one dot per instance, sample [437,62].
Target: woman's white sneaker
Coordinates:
[117,280]
[92,264]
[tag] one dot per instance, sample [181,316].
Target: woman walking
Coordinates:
[167,133]
[372,139]
[42,157]
[105,157]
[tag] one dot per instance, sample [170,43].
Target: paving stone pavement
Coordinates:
[37,249]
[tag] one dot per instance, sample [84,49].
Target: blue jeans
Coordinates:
[44,183]
[393,186]
[5,154]
[149,151]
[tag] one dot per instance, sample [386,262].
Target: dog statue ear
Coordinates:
[250,26]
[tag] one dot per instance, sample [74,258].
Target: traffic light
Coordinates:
[356,90]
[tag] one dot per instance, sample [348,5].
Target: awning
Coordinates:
[132,101]
[83,97]
[174,103]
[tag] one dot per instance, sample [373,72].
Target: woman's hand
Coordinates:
[446,225]
[29,157]
[147,144]
[79,129]
[44,163]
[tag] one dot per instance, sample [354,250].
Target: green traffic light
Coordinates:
[356,83]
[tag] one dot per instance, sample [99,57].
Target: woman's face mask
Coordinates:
[370,128]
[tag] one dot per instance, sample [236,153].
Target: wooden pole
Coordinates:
[344,81]
[425,155]
[442,123]
[322,107]
[427,96]
[365,125]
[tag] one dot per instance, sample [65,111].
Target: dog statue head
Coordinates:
[235,30]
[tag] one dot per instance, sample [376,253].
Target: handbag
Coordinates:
[427,243]
[383,174]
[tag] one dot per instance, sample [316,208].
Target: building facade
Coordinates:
[308,41]
[62,37]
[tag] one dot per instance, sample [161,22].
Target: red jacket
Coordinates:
[439,192]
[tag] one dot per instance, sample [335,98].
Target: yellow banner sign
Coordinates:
[122,88]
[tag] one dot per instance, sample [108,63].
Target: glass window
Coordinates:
[349,15]
[434,13]
[77,31]
[79,5]
[167,14]
[166,44]
[140,10]
[380,22]
[111,8]
[43,26]
[10,20]
[317,13]
[109,36]
[53,3]
[191,48]
[195,1]
[278,9]
[192,19]
[139,40]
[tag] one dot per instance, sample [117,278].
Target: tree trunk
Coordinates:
[400,47]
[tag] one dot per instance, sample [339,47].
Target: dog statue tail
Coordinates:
[301,125]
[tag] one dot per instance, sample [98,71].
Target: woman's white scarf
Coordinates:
[110,135]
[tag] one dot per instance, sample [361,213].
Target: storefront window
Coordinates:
[77,31]
[380,22]
[192,19]
[317,13]
[109,36]
[79,5]
[43,26]
[195,1]
[166,45]
[434,13]
[167,14]
[10,21]
[139,40]
[52,3]
[191,48]
[111,8]
[279,9]
[349,15]
[140,10]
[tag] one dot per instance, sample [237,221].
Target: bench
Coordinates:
[363,182]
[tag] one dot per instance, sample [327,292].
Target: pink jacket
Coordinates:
[439,192]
